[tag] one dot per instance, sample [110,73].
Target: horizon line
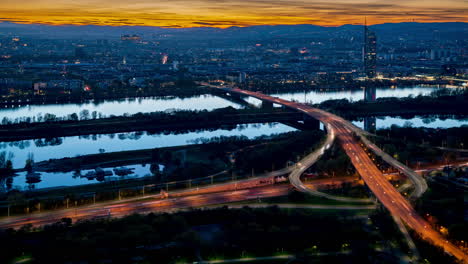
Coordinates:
[224,27]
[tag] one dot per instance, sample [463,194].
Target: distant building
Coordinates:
[449,69]
[463,71]
[294,51]
[370,53]
[175,65]
[370,94]
[80,51]
[12,84]
[130,38]
[102,42]
[370,124]
[39,87]
[234,77]
[58,85]
[440,54]
[138,81]
[164,58]
[242,77]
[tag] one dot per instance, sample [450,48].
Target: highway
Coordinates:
[309,160]
[338,129]
[307,206]
[344,131]
[145,205]
[201,193]
[419,182]
[196,197]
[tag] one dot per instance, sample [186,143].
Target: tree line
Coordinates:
[166,238]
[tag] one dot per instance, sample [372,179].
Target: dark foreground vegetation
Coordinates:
[444,206]
[334,163]
[420,146]
[428,253]
[277,154]
[455,137]
[207,234]
[195,235]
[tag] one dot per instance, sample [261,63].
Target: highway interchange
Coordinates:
[346,134]
[351,139]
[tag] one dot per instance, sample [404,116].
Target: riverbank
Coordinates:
[111,159]
[83,97]
[180,121]
[449,106]
[451,103]
[336,85]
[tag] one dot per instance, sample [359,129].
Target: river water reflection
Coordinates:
[120,107]
[44,149]
[316,97]
[55,148]
[202,102]
[62,179]
[372,123]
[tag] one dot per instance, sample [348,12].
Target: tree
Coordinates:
[74,117]
[50,117]
[29,162]
[9,166]
[5,121]
[408,124]
[6,165]
[84,114]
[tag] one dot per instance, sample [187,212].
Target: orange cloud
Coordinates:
[225,13]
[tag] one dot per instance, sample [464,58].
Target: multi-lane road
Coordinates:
[224,193]
[337,128]
[307,162]
[147,204]
[384,191]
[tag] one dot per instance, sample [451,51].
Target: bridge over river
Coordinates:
[348,136]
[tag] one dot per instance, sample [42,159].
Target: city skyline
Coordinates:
[262,131]
[199,13]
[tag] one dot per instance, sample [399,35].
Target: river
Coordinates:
[55,148]
[120,107]
[202,102]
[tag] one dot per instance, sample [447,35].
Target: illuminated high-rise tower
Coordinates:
[370,52]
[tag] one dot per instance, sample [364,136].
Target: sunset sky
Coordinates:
[225,13]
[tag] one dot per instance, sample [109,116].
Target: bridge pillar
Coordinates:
[370,124]
[267,105]
[234,95]
[370,94]
[311,123]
